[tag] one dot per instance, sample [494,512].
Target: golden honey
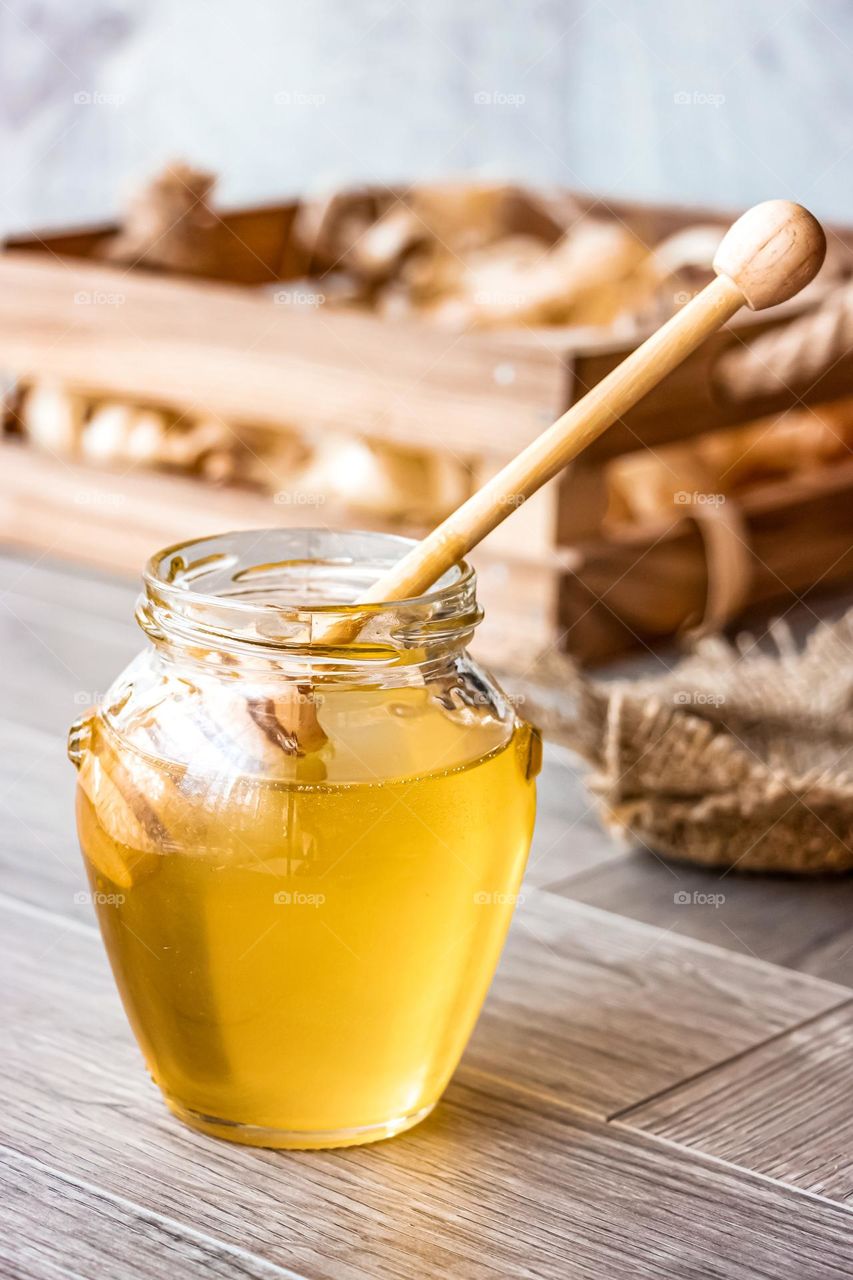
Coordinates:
[303,939]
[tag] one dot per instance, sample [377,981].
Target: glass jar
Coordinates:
[304,856]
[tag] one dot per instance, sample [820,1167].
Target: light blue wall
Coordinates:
[590,93]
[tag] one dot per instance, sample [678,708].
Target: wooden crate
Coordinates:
[222,347]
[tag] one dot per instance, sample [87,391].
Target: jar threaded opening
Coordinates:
[279,590]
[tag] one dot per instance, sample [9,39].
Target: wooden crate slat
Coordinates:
[201,347]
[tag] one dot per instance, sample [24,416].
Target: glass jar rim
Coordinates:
[267,588]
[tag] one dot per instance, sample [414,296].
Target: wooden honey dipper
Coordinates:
[766,257]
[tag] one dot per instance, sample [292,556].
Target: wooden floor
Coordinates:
[659,1086]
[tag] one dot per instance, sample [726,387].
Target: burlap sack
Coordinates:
[737,758]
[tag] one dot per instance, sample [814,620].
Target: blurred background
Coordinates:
[310,262]
[304,262]
[707,102]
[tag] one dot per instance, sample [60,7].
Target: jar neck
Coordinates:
[264,601]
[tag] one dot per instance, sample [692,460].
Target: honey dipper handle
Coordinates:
[766,257]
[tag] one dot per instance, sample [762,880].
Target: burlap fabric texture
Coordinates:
[736,758]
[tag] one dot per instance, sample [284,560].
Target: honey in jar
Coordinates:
[304,857]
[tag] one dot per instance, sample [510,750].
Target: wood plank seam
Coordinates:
[682,1151]
[783,1112]
[620,1116]
[152,1215]
[718,1162]
[525,1097]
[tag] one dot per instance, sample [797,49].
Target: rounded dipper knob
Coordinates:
[771,252]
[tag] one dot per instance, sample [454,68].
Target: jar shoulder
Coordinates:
[228,720]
